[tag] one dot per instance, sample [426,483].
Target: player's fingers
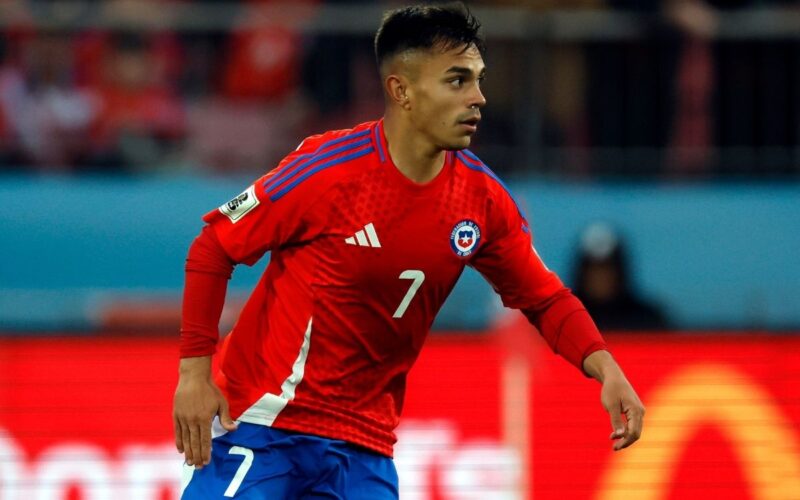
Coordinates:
[633,430]
[617,424]
[178,434]
[626,441]
[194,444]
[187,443]
[205,444]
[225,415]
[197,455]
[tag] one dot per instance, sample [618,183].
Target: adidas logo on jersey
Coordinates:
[366,237]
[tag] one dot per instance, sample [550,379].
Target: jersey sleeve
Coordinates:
[511,265]
[509,261]
[272,212]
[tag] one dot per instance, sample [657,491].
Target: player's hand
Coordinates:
[620,400]
[197,401]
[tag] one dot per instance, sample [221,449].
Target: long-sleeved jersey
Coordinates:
[362,259]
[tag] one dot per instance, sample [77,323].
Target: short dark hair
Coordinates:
[445,26]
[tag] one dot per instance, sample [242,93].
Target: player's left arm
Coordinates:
[510,263]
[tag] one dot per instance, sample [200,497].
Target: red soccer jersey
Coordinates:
[362,260]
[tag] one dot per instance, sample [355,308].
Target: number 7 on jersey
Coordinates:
[418,277]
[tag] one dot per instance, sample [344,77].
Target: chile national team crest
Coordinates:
[464,237]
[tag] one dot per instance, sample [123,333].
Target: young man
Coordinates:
[369,229]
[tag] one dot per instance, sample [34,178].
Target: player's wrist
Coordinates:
[195,367]
[602,366]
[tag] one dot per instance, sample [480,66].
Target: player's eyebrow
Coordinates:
[461,70]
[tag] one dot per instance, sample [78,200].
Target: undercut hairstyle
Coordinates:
[444,27]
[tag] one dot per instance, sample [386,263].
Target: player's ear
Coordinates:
[397,89]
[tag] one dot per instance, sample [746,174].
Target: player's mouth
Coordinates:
[470,124]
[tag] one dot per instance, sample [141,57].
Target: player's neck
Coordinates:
[413,155]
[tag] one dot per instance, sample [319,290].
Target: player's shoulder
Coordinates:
[476,172]
[322,160]
[358,135]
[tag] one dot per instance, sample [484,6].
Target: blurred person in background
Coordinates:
[756,126]
[715,105]
[369,229]
[650,93]
[253,116]
[142,120]
[558,90]
[691,136]
[337,70]
[602,282]
[45,111]
[263,52]
[12,97]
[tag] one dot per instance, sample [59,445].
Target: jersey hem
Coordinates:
[320,429]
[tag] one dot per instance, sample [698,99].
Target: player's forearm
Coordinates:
[203,300]
[207,272]
[567,327]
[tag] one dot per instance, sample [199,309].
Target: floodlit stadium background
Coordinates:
[676,123]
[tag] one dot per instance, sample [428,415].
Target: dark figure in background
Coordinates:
[12,86]
[337,75]
[602,283]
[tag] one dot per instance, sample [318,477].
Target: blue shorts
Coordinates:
[259,462]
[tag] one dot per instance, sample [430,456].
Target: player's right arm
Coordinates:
[197,399]
[273,211]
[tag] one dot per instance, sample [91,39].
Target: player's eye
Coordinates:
[457,82]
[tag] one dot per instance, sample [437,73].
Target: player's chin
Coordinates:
[460,143]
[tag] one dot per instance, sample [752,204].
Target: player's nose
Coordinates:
[477,99]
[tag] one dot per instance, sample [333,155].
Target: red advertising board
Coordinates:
[723,421]
[89,418]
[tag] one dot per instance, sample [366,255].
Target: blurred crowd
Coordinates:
[695,89]
[160,99]
[676,102]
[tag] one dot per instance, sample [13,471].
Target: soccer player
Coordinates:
[369,229]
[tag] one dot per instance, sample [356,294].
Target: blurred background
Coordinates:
[655,146]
